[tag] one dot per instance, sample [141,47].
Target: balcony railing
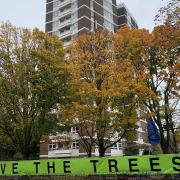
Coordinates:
[65,33]
[63,153]
[64,3]
[65,12]
[61,4]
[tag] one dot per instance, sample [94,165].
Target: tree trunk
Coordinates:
[89,154]
[30,152]
[26,155]
[173,135]
[161,131]
[102,150]
[164,143]
[175,144]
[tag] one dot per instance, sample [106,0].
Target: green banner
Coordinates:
[156,164]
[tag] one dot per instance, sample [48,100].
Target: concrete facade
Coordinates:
[69,144]
[70,18]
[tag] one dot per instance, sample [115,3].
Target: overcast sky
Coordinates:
[31,13]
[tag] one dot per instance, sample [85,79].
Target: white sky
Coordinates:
[144,11]
[31,13]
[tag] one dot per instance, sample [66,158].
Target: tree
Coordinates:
[177,135]
[156,54]
[6,148]
[103,104]
[164,74]
[169,14]
[33,85]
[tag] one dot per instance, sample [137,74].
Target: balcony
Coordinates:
[65,34]
[58,4]
[67,44]
[65,23]
[139,141]
[64,3]
[65,12]
[116,152]
[60,25]
[140,130]
[63,153]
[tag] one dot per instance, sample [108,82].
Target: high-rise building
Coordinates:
[124,17]
[70,18]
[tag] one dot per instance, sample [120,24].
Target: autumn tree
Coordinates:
[164,74]
[169,15]
[33,85]
[156,55]
[103,105]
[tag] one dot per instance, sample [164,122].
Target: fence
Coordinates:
[94,177]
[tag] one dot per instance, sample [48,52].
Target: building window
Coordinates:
[65,29]
[56,4]
[117,146]
[139,135]
[52,147]
[66,8]
[108,15]
[74,130]
[75,145]
[108,26]
[56,14]
[65,18]
[107,4]
[56,33]
[66,41]
[56,24]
